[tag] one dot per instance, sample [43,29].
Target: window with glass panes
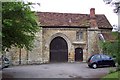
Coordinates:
[79,35]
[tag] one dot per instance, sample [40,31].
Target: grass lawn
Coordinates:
[112,76]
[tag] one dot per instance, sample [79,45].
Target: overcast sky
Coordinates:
[77,6]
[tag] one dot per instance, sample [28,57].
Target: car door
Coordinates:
[99,61]
[105,60]
[109,60]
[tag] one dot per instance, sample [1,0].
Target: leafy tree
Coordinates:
[115,3]
[113,48]
[19,25]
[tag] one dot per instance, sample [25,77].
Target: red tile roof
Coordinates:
[69,19]
[109,36]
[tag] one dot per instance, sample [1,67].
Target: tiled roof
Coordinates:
[109,36]
[102,21]
[69,19]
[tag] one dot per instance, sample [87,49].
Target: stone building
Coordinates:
[65,37]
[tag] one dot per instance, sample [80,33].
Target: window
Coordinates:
[105,57]
[79,35]
[96,57]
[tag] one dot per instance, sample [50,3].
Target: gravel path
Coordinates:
[55,70]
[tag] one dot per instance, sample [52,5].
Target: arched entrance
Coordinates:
[78,54]
[58,50]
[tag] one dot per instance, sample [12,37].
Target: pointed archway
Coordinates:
[58,50]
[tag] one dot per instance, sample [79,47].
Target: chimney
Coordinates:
[93,18]
[92,13]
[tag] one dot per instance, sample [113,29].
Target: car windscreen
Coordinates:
[90,58]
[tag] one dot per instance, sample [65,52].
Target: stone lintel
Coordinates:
[79,42]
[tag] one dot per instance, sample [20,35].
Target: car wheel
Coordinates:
[6,66]
[94,66]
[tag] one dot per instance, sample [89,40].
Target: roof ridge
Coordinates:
[64,13]
[69,13]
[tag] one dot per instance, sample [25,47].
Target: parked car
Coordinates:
[4,62]
[100,60]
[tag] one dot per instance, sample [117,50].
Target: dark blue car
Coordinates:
[100,60]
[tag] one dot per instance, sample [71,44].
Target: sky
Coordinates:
[77,6]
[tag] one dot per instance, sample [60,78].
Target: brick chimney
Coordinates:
[93,18]
[92,13]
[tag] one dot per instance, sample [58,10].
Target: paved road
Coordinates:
[55,70]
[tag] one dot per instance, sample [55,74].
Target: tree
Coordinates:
[113,48]
[19,25]
[115,3]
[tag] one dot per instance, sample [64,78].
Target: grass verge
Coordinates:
[112,76]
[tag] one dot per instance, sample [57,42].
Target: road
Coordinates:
[55,70]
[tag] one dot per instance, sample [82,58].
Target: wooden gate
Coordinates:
[58,50]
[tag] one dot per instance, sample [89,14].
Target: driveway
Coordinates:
[55,70]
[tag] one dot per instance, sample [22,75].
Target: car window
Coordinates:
[96,57]
[105,57]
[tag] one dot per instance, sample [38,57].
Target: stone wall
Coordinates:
[41,53]
[93,45]
[19,56]
[35,56]
[69,34]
